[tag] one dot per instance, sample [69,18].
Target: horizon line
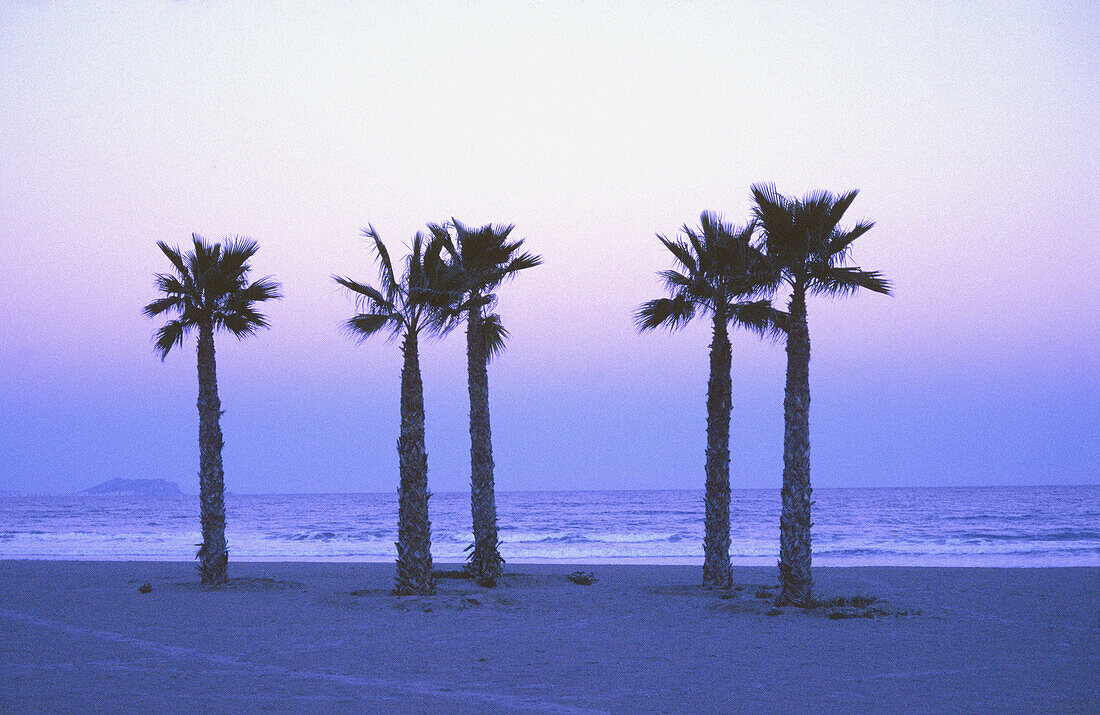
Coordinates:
[16,493]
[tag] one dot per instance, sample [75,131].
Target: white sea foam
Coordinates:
[993,527]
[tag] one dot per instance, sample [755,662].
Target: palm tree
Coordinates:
[805,244]
[408,306]
[209,291]
[485,258]
[718,268]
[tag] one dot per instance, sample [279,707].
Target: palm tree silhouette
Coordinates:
[416,303]
[209,291]
[485,259]
[805,244]
[718,268]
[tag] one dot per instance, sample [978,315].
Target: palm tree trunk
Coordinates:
[485,560]
[414,530]
[716,544]
[213,553]
[794,524]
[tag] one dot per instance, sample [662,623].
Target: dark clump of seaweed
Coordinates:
[145,587]
[858,606]
[455,574]
[858,601]
[582,578]
[838,607]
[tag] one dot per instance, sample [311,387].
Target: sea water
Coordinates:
[966,526]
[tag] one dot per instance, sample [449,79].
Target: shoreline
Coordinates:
[1010,528]
[329,637]
[948,562]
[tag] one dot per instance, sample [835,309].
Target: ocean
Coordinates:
[965,526]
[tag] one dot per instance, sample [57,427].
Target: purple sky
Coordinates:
[973,135]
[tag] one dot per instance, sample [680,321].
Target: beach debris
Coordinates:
[835,608]
[145,587]
[582,578]
[455,574]
[857,601]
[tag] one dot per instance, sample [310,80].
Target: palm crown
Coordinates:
[486,259]
[806,245]
[421,298]
[209,287]
[718,265]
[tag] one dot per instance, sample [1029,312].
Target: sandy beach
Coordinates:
[329,637]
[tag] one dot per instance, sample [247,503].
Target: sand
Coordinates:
[329,637]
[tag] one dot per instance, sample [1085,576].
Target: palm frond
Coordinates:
[483,302]
[240,318]
[435,265]
[771,208]
[171,285]
[462,229]
[710,222]
[745,268]
[235,254]
[367,295]
[759,317]
[837,249]
[163,305]
[681,252]
[700,250]
[495,335]
[388,279]
[260,290]
[203,261]
[174,257]
[364,325]
[783,238]
[414,276]
[674,280]
[521,263]
[840,281]
[837,207]
[443,237]
[671,313]
[501,232]
[211,281]
[169,336]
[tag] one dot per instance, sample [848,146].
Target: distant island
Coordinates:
[148,487]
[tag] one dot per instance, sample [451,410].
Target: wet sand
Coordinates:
[78,635]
